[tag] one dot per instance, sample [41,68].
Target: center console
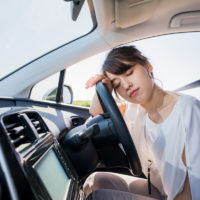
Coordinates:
[49,171]
[34,161]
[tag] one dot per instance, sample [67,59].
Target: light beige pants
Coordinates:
[114,186]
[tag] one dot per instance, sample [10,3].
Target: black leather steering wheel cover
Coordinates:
[122,131]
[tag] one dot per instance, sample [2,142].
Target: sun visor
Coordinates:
[131,12]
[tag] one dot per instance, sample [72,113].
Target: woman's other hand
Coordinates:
[95,79]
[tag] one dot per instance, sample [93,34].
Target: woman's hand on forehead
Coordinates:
[95,79]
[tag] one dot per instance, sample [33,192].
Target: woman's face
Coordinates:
[134,85]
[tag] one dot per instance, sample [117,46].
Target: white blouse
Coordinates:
[164,143]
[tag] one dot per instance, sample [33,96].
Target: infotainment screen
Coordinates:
[53,175]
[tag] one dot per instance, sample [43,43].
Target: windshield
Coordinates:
[31,28]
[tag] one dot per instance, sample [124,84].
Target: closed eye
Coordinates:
[117,86]
[129,72]
[115,83]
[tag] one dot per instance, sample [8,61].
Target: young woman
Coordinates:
[165,129]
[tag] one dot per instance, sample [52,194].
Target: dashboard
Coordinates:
[33,164]
[47,150]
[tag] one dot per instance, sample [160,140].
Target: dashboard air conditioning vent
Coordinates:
[38,123]
[24,128]
[16,130]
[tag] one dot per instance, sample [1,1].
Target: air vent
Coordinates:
[17,130]
[24,128]
[38,123]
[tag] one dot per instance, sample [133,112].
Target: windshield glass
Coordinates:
[31,28]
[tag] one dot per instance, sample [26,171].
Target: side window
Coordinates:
[77,75]
[46,89]
[75,79]
[175,61]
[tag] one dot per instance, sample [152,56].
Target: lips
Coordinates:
[134,93]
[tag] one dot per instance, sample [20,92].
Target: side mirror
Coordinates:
[67,94]
[50,95]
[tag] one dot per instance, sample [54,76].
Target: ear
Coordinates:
[149,66]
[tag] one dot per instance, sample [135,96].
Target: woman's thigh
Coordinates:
[119,182]
[109,194]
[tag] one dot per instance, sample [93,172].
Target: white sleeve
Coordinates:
[192,146]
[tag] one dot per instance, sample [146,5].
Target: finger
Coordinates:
[105,80]
[98,77]
[93,80]
[108,84]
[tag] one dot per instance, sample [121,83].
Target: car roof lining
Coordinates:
[157,24]
[131,12]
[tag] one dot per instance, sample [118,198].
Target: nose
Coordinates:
[126,84]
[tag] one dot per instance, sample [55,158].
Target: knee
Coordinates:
[91,183]
[104,180]
[97,181]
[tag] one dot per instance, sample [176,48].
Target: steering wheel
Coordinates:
[109,106]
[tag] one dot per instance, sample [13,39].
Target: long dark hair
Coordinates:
[120,59]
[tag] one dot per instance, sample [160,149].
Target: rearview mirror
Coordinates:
[76,6]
